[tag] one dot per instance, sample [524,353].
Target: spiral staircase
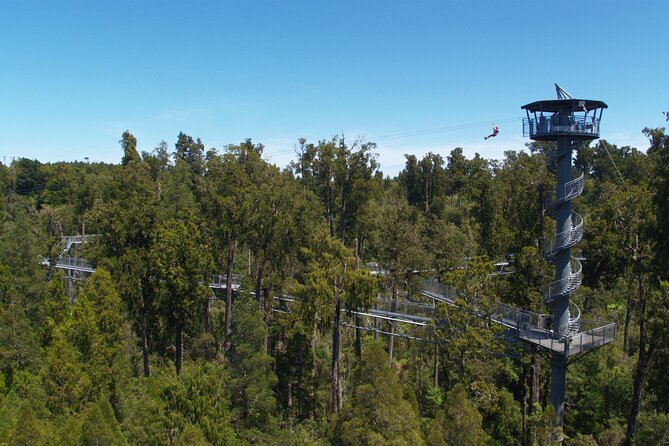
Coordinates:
[564,240]
[568,123]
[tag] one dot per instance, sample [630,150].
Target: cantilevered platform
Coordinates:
[531,327]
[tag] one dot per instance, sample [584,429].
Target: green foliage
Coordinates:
[294,369]
[199,400]
[541,427]
[97,329]
[167,221]
[460,424]
[192,436]
[435,399]
[55,311]
[181,261]
[472,340]
[504,422]
[28,431]
[64,379]
[377,413]
[600,389]
[17,341]
[129,144]
[142,408]
[252,381]
[583,440]
[653,429]
[100,426]
[20,251]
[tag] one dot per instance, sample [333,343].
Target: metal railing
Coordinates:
[74,263]
[566,239]
[580,125]
[438,291]
[564,286]
[570,190]
[219,281]
[375,269]
[574,324]
[72,239]
[594,336]
[403,306]
[524,324]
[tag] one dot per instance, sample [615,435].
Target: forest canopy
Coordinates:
[224,293]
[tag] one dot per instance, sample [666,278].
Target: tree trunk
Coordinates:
[391,338]
[636,396]
[436,366]
[145,348]
[645,355]
[427,196]
[336,403]
[205,315]
[358,335]
[342,213]
[628,318]
[228,294]
[536,384]
[265,318]
[179,350]
[261,267]
[329,206]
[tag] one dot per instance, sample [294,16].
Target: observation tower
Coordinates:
[570,123]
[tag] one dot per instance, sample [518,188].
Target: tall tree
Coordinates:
[330,286]
[126,222]
[97,330]
[282,220]
[229,179]
[181,262]
[129,144]
[460,424]
[377,412]
[399,250]
[17,340]
[653,313]
[355,168]
[659,153]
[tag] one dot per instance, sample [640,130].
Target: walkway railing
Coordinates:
[75,263]
[220,281]
[526,325]
[566,239]
[564,286]
[545,126]
[570,190]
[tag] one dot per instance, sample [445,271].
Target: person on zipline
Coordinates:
[495,132]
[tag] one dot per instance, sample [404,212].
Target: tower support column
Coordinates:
[568,122]
[558,384]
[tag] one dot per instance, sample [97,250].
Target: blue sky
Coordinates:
[75,75]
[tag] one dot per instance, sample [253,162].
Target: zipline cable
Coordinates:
[419,132]
[443,129]
[622,180]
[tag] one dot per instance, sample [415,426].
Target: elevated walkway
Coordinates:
[534,328]
[407,317]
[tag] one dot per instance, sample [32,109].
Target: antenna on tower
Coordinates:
[561,93]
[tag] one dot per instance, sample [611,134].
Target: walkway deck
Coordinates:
[520,324]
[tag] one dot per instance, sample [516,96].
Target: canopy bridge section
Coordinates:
[410,318]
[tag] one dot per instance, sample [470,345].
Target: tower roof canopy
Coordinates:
[563,105]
